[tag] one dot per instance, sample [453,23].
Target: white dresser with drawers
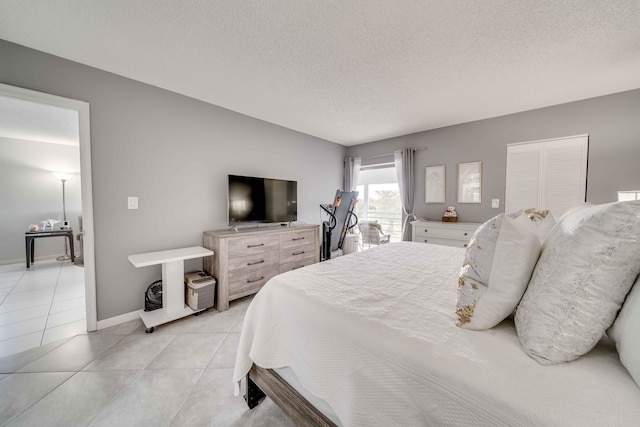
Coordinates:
[456,234]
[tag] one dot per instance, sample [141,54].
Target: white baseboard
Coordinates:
[23,260]
[113,321]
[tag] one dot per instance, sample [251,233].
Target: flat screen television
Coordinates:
[262,200]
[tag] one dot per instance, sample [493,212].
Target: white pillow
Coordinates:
[543,220]
[497,268]
[625,332]
[587,266]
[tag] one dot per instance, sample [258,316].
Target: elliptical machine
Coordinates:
[341,214]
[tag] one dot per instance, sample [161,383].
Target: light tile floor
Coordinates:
[180,375]
[40,305]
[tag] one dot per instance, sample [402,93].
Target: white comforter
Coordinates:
[374,335]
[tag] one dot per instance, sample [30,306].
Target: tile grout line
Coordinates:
[198,380]
[115,395]
[13,287]
[46,394]
[28,308]
[51,303]
[138,374]
[18,336]
[187,395]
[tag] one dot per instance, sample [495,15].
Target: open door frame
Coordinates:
[85,186]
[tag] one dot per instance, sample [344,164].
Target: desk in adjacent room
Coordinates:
[29,236]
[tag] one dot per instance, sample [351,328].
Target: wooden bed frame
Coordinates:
[266,382]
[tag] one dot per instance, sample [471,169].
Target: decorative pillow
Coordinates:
[587,266]
[496,270]
[625,332]
[543,220]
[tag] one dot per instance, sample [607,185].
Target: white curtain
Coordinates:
[351,173]
[403,160]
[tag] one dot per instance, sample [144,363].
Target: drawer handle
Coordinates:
[298,253]
[297,267]
[465,245]
[255,246]
[425,240]
[255,263]
[255,280]
[465,234]
[298,238]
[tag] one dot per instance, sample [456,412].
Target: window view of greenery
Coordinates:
[381,202]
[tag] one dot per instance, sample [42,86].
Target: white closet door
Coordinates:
[524,170]
[565,177]
[549,174]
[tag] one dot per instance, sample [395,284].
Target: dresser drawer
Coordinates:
[450,232]
[250,263]
[297,238]
[246,259]
[247,284]
[296,264]
[297,252]
[252,245]
[443,241]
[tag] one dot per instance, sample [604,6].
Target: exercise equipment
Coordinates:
[341,214]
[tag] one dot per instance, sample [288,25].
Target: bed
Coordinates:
[370,339]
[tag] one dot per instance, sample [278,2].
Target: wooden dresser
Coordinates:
[456,234]
[245,260]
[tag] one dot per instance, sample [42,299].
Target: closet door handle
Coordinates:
[255,280]
[255,246]
[255,263]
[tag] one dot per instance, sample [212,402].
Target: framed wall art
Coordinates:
[434,184]
[470,182]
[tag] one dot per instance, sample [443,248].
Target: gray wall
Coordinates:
[174,153]
[612,122]
[29,193]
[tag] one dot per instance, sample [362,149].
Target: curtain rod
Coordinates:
[390,154]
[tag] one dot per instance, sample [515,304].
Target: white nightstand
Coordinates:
[456,234]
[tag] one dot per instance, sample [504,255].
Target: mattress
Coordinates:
[373,335]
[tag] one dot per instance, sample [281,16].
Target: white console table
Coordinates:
[173,306]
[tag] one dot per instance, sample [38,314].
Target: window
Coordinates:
[549,174]
[623,196]
[379,199]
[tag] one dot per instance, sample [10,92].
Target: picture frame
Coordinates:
[470,182]
[435,184]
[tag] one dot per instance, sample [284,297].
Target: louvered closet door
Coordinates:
[524,170]
[565,174]
[550,174]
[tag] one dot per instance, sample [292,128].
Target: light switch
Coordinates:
[495,203]
[132,202]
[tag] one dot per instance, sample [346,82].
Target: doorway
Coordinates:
[80,110]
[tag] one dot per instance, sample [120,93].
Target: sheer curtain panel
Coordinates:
[351,173]
[403,160]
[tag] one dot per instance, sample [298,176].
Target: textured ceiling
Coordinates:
[31,121]
[349,71]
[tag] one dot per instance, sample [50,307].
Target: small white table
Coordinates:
[173,306]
